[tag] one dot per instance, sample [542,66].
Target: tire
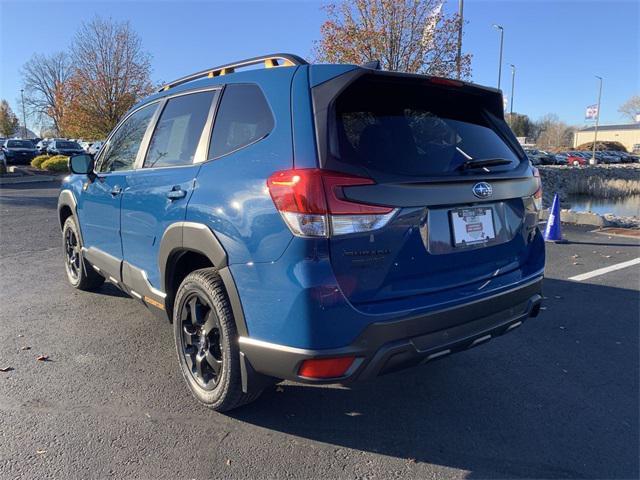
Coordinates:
[206,342]
[80,273]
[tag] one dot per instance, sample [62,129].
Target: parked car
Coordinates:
[95,147]
[18,151]
[576,159]
[64,147]
[561,159]
[605,157]
[41,147]
[287,241]
[85,146]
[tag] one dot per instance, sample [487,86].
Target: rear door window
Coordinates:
[176,137]
[243,118]
[414,130]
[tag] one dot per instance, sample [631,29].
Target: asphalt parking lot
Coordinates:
[557,398]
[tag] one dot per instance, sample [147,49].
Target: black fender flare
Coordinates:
[198,237]
[66,198]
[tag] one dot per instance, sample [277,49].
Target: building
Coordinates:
[627,134]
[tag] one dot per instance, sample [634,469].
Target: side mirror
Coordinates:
[81,164]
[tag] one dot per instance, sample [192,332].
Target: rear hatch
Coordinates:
[441,155]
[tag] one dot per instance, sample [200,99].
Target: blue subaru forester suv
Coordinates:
[316,223]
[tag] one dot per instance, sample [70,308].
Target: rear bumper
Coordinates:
[389,346]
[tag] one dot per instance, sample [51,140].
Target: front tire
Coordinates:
[206,342]
[80,273]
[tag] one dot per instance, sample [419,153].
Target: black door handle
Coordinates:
[175,193]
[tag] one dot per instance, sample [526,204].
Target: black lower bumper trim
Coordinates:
[390,346]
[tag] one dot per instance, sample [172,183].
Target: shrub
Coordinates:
[56,164]
[39,160]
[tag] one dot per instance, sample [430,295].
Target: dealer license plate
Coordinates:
[472,225]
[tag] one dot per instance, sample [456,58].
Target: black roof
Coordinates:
[602,128]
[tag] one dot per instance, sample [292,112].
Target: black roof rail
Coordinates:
[273,60]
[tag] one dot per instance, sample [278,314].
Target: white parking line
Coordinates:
[602,271]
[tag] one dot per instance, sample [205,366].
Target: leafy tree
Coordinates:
[631,108]
[111,73]
[8,120]
[405,35]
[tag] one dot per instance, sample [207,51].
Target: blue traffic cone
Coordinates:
[553,231]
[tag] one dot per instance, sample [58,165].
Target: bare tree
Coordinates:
[8,120]
[45,84]
[631,108]
[553,132]
[111,73]
[405,35]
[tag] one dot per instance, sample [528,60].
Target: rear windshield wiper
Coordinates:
[483,163]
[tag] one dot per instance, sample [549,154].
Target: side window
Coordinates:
[176,137]
[123,146]
[243,117]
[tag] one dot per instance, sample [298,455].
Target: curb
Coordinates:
[28,179]
[585,218]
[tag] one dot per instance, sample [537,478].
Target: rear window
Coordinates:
[67,145]
[413,129]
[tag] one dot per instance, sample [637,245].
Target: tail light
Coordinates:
[537,196]
[312,203]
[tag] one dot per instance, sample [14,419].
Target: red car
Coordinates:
[575,159]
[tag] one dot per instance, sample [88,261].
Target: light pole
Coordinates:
[499,27]
[24,115]
[513,82]
[593,160]
[460,22]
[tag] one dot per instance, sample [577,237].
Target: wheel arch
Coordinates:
[189,246]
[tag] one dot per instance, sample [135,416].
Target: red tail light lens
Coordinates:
[312,203]
[325,367]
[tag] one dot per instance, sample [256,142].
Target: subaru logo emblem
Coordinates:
[482,190]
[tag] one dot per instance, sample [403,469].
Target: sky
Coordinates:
[557,46]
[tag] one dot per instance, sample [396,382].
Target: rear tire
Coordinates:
[80,273]
[206,342]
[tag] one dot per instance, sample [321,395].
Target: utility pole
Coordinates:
[593,160]
[513,82]
[24,116]
[499,27]
[460,22]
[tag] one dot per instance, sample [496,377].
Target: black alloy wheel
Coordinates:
[201,340]
[72,254]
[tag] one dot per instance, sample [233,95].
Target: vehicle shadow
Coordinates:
[558,398]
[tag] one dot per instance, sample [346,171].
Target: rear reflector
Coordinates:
[325,367]
[312,203]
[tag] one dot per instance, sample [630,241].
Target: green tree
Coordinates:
[8,120]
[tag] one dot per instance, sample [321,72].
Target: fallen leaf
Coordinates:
[228,462]
[411,460]
[607,256]
[42,358]
[25,348]
[6,369]
[576,256]
[279,389]
[20,336]
[40,452]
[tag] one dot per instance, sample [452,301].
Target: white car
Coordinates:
[95,147]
